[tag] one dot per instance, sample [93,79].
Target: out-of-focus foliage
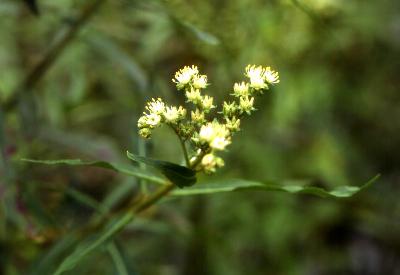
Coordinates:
[334,119]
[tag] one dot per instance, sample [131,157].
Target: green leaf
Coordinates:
[206,37]
[86,200]
[240,184]
[46,263]
[117,259]
[179,175]
[131,171]
[92,244]
[194,31]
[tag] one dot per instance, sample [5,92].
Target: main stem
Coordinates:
[164,190]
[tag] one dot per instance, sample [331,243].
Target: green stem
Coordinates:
[198,159]
[182,142]
[185,153]
[153,198]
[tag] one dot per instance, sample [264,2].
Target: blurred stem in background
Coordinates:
[62,39]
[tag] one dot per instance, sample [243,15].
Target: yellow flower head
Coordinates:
[174,114]
[256,76]
[241,89]
[246,104]
[200,81]
[207,103]
[271,76]
[215,134]
[156,106]
[184,76]
[153,120]
[210,162]
[193,96]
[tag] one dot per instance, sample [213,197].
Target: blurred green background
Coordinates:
[334,119]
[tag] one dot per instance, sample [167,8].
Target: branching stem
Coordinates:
[182,142]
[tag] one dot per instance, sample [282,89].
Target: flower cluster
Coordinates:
[207,135]
[159,113]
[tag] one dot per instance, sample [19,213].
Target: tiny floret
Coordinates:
[153,120]
[256,76]
[198,116]
[246,104]
[219,143]
[193,96]
[210,162]
[229,109]
[241,89]
[271,76]
[174,114]
[233,124]
[184,76]
[207,103]
[200,81]
[156,106]
[145,132]
[215,134]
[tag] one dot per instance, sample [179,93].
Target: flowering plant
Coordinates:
[206,134]
[202,133]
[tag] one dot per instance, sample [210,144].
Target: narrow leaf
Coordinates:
[131,171]
[206,37]
[240,184]
[117,259]
[93,243]
[177,174]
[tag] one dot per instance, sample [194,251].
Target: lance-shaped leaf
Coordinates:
[131,171]
[240,185]
[93,243]
[181,176]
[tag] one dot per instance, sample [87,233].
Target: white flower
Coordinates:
[153,120]
[207,103]
[246,104]
[200,81]
[256,76]
[210,162]
[215,134]
[173,114]
[207,132]
[241,89]
[184,76]
[156,106]
[193,96]
[271,76]
[219,143]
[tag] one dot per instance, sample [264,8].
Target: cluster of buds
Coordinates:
[206,134]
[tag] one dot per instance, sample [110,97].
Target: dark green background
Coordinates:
[334,119]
